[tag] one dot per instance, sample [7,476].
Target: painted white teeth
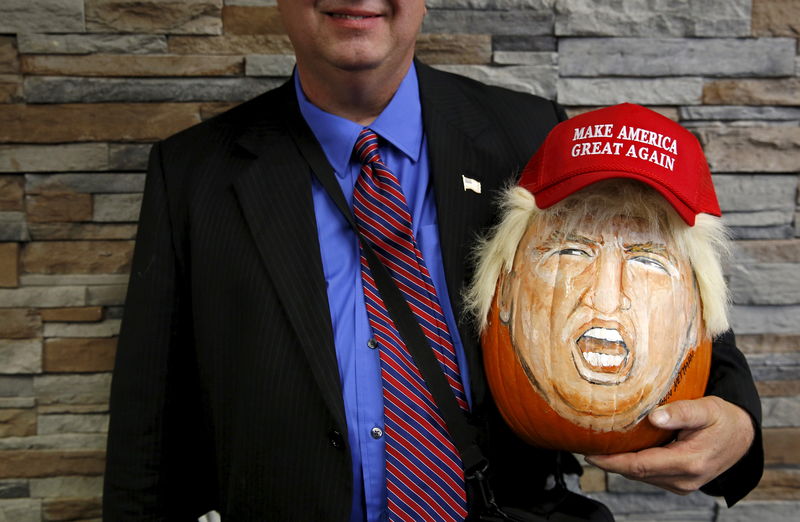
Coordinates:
[604,334]
[603,359]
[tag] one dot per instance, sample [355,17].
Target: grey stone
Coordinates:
[107,328]
[780,412]
[676,57]
[31,43]
[84,441]
[154,16]
[755,192]
[523,42]
[76,487]
[72,389]
[772,511]
[21,510]
[757,218]
[114,312]
[72,279]
[16,386]
[49,89]
[532,79]
[762,148]
[31,16]
[43,297]
[769,232]
[652,18]
[786,251]
[93,183]
[13,227]
[54,158]
[737,112]
[748,319]
[116,208]
[513,21]
[17,402]
[128,156]
[71,423]
[619,484]
[106,295]
[21,356]
[280,65]
[678,515]
[610,91]
[524,58]
[631,503]
[765,283]
[14,488]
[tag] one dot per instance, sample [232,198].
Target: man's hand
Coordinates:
[713,435]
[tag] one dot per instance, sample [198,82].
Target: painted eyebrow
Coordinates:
[648,248]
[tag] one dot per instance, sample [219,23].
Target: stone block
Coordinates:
[747,511]
[72,389]
[280,65]
[231,44]
[79,355]
[16,386]
[785,251]
[33,43]
[524,58]
[764,283]
[21,510]
[114,312]
[473,49]
[9,62]
[106,65]
[68,441]
[652,18]
[777,388]
[777,484]
[67,486]
[128,156]
[154,16]
[17,402]
[17,423]
[106,295]
[46,89]
[532,22]
[620,484]
[667,112]
[21,355]
[649,503]
[94,122]
[82,314]
[540,80]
[19,323]
[776,18]
[93,183]
[14,489]
[13,226]
[675,57]
[45,463]
[59,207]
[765,319]
[76,257]
[107,328]
[768,343]
[775,366]
[117,208]
[9,265]
[610,91]
[31,16]
[780,412]
[771,148]
[785,91]
[51,231]
[54,158]
[72,509]
[68,423]
[10,88]
[756,232]
[209,110]
[43,296]
[593,480]
[252,20]
[73,279]
[11,193]
[73,408]
[523,42]
[737,112]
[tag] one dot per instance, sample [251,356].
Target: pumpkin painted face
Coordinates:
[601,319]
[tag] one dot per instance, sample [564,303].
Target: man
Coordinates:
[240,373]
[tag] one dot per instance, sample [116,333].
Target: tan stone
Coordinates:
[59,207]
[593,480]
[82,314]
[781,446]
[768,343]
[751,149]
[132,65]
[454,48]
[94,122]
[8,55]
[209,110]
[19,323]
[73,408]
[778,388]
[77,257]
[51,231]
[12,189]
[72,509]
[776,18]
[17,423]
[48,463]
[79,355]
[154,16]
[785,91]
[10,88]
[231,44]
[777,484]
[9,264]
[238,19]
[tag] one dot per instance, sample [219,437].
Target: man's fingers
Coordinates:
[686,415]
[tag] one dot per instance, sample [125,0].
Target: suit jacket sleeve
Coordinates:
[155,438]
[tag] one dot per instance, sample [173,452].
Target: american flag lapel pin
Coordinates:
[471,184]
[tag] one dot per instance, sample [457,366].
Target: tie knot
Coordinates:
[367,147]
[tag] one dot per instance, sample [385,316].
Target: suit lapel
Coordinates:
[275,195]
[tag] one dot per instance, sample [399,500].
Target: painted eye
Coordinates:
[573,252]
[650,263]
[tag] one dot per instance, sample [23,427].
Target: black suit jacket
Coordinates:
[226,393]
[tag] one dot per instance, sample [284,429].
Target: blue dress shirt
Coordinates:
[404,150]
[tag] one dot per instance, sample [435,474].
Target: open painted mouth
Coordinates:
[603,350]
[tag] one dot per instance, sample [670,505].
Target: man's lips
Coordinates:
[350,14]
[603,349]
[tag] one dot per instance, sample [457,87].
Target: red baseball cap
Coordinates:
[623,141]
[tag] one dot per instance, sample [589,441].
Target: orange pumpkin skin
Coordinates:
[533,420]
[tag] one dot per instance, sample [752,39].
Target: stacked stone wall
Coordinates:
[87,85]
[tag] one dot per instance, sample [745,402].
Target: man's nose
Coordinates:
[606,292]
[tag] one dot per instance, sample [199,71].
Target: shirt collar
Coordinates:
[400,124]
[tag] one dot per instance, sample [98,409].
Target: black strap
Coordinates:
[464,434]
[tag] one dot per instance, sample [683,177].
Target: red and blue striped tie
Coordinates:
[424,475]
